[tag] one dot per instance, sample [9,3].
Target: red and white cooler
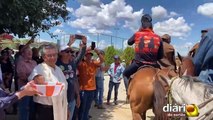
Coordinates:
[49,89]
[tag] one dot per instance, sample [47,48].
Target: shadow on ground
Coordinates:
[110,112]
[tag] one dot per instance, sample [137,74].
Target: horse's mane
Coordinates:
[189,80]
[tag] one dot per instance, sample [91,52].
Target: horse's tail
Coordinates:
[159,101]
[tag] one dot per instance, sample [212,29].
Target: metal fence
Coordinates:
[102,40]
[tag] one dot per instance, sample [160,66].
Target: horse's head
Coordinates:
[186,66]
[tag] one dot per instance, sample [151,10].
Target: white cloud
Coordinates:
[134,24]
[174,27]
[183,49]
[159,12]
[78,31]
[58,32]
[173,14]
[86,11]
[102,44]
[188,45]
[95,30]
[70,9]
[83,23]
[206,9]
[104,17]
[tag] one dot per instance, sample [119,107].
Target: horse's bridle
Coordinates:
[169,93]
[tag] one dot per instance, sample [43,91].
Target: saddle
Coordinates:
[141,67]
[158,75]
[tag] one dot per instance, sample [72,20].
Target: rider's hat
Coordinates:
[166,38]
[146,21]
[204,31]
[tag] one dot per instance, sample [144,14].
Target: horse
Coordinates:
[186,66]
[147,91]
[186,89]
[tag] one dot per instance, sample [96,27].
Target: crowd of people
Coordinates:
[83,75]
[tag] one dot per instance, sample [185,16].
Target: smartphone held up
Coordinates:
[93,45]
[77,36]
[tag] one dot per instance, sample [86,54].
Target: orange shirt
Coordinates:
[87,72]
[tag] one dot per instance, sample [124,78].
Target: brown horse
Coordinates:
[147,91]
[186,66]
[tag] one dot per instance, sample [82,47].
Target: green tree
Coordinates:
[109,53]
[119,52]
[28,17]
[128,55]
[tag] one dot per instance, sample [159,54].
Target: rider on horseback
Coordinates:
[203,59]
[196,46]
[148,47]
[168,60]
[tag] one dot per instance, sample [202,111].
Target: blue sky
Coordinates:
[182,19]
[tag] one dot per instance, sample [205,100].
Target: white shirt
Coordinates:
[116,75]
[59,102]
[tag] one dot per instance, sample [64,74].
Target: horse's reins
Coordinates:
[169,93]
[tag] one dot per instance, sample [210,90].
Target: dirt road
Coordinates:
[121,111]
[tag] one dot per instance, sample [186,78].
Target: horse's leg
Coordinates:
[136,116]
[143,115]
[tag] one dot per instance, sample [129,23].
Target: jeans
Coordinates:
[71,107]
[99,90]
[86,96]
[126,83]
[75,114]
[131,69]
[116,86]
[206,76]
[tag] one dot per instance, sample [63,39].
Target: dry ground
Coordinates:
[121,111]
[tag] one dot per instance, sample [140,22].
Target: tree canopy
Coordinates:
[128,55]
[28,17]
[109,53]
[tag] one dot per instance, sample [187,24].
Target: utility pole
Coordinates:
[116,32]
[111,40]
[122,44]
